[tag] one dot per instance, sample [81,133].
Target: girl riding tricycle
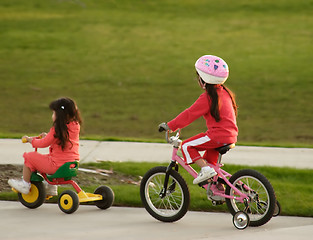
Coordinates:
[43,172]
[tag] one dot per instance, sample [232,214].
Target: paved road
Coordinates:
[88,222]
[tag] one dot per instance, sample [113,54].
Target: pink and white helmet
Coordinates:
[212,69]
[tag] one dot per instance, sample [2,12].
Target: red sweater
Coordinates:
[224,131]
[59,156]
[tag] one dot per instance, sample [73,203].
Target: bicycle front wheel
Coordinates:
[261,200]
[170,206]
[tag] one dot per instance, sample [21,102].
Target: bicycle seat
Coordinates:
[66,171]
[224,149]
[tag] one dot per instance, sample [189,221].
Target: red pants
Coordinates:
[39,162]
[201,142]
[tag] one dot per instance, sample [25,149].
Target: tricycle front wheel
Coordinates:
[36,196]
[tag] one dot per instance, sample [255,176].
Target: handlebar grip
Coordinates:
[163,127]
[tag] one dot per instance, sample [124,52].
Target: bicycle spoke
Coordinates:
[173,197]
[257,195]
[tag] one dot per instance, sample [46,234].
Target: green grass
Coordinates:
[129,64]
[293,187]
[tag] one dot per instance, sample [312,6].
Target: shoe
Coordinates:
[205,174]
[51,190]
[20,185]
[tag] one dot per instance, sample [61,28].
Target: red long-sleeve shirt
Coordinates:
[224,131]
[59,156]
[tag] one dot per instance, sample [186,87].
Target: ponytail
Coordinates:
[232,97]
[214,99]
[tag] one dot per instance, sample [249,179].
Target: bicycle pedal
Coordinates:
[201,184]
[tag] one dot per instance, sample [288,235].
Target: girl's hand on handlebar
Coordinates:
[164,127]
[42,135]
[26,139]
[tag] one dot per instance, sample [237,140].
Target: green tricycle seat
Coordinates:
[66,171]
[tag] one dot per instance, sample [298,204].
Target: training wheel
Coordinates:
[241,220]
[277,209]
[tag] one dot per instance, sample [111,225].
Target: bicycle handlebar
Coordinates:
[167,135]
[174,140]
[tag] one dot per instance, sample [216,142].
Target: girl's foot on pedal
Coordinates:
[204,174]
[20,185]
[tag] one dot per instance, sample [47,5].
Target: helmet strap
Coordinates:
[201,82]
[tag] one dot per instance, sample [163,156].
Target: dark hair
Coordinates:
[66,111]
[213,97]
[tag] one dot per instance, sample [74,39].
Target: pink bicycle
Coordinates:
[249,196]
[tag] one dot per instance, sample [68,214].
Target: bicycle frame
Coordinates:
[249,196]
[220,173]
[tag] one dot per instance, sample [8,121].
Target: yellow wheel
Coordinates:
[35,197]
[68,201]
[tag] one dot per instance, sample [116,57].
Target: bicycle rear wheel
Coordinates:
[261,196]
[171,207]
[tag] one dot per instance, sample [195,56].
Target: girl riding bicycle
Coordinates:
[218,107]
[63,139]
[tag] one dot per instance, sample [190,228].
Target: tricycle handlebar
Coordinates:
[24,139]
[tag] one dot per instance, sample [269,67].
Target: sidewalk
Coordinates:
[11,151]
[124,223]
